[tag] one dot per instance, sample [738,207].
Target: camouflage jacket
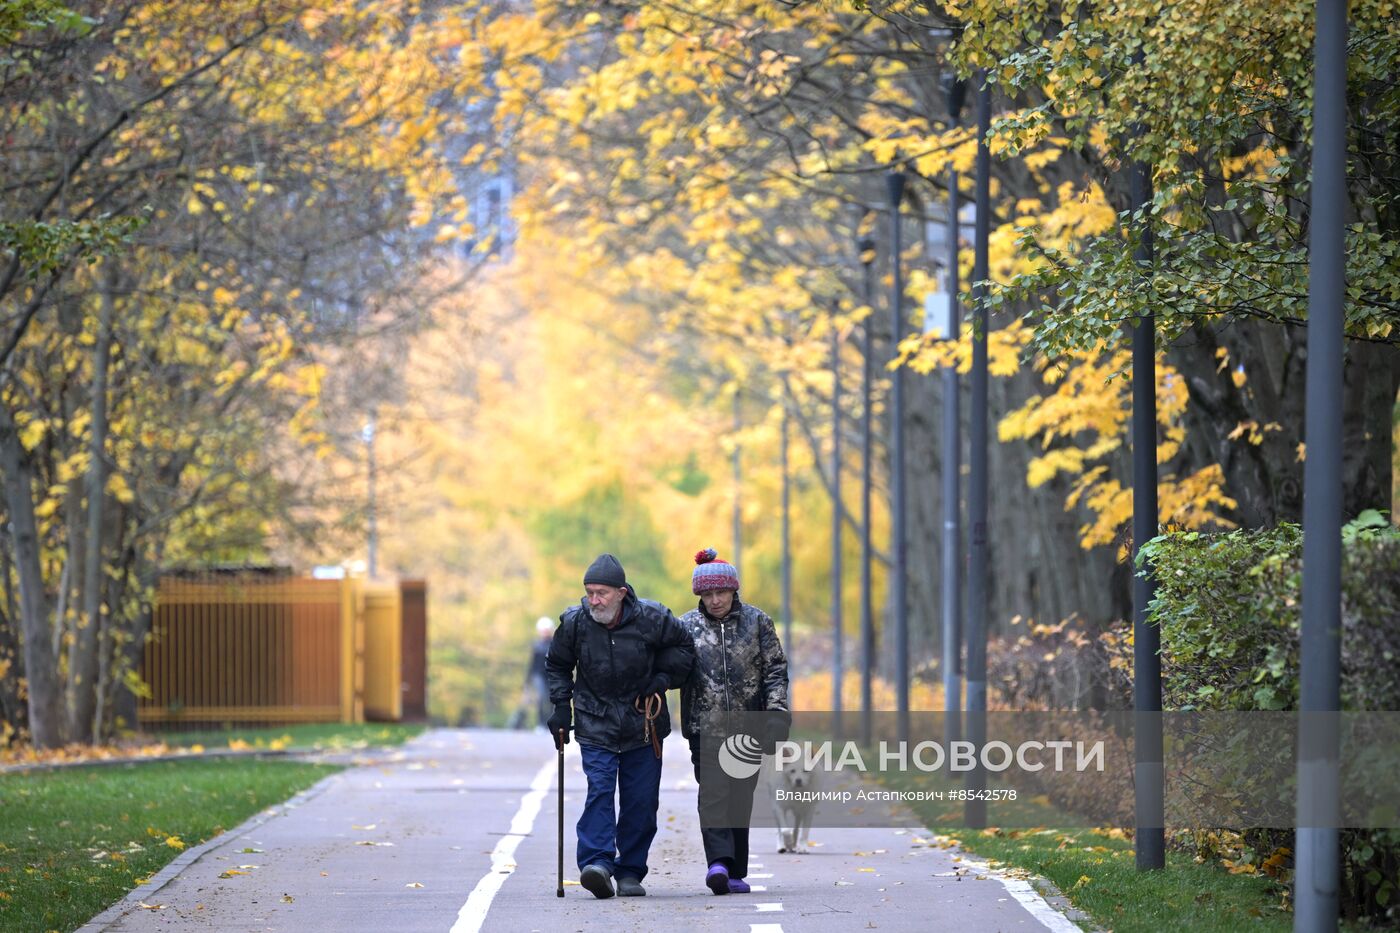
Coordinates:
[739,667]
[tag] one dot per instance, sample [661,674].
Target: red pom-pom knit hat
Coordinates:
[711,573]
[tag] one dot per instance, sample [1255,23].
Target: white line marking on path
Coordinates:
[473,912]
[769,908]
[1037,906]
[765,928]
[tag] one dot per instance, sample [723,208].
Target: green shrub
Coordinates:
[1229,610]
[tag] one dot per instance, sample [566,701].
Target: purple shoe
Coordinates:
[717,878]
[738,886]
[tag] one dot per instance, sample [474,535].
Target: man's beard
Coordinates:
[605,616]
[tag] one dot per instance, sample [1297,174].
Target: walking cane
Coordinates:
[559,742]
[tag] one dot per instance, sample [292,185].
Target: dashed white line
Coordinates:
[473,912]
[769,908]
[765,928]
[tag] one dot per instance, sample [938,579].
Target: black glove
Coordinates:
[561,720]
[658,684]
[777,724]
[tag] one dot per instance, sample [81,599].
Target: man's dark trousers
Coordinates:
[725,805]
[618,839]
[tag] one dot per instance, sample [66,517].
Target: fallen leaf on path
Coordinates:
[250,851]
[287,898]
[413,884]
[370,842]
[231,872]
[145,906]
[371,825]
[845,884]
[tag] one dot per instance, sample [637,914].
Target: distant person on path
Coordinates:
[740,672]
[536,684]
[615,656]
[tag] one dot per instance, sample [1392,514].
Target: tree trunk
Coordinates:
[40,662]
[11,669]
[1040,570]
[1372,380]
[924,497]
[84,659]
[1266,478]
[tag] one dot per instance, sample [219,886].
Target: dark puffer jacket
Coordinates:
[603,670]
[739,668]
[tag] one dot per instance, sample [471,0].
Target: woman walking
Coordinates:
[740,673]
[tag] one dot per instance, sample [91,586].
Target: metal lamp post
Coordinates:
[1149,837]
[866,246]
[894,187]
[952,465]
[942,320]
[372,544]
[787,529]
[975,809]
[838,671]
[738,481]
[1317,876]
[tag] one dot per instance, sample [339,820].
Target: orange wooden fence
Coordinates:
[256,649]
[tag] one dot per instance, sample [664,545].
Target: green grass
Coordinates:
[75,840]
[328,735]
[1096,870]
[1099,877]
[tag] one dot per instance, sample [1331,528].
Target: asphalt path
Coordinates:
[457,831]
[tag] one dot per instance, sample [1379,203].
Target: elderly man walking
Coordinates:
[615,656]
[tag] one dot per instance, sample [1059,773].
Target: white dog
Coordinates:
[793,814]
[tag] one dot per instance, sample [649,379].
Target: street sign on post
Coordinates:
[938,316]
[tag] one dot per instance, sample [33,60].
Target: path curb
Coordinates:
[132,900]
[1044,889]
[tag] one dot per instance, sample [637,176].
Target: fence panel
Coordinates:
[253,649]
[383,652]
